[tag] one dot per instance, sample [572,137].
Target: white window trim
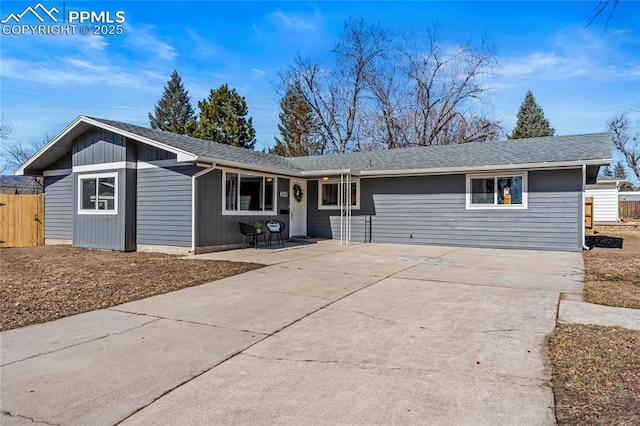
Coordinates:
[495,206]
[238,212]
[115,192]
[356,206]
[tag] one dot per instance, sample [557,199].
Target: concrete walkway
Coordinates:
[580,312]
[327,334]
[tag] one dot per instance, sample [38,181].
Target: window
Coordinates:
[329,197]
[497,191]
[245,193]
[98,194]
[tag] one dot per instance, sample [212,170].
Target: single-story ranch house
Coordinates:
[112,185]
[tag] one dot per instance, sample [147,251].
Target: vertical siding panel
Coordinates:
[58,207]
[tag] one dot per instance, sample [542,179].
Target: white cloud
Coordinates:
[529,64]
[294,21]
[73,71]
[203,47]
[257,73]
[142,37]
[93,42]
[577,53]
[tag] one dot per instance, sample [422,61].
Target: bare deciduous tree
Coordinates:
[448,82]
[16,154]
[626,139]
[336,95]
[386,91]
[5,129]
[600,9]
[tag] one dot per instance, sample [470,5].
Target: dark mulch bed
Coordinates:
[39,284]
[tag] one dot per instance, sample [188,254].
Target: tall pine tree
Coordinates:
[298,127]
[223,119]
[173,111]
[531,121]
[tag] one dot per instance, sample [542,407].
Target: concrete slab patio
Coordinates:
[326,334]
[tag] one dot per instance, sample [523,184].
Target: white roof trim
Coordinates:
[452,170]
[52,142]
[320,173]
[257,168]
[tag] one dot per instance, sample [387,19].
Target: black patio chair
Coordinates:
[249,231]
[276,227]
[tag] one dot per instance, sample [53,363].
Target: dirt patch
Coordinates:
[39,284]
[611,274]
[596,376]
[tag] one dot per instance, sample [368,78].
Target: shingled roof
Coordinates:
[592,149]
[546,150]
[205,148]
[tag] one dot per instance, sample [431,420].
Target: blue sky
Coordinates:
[580,75]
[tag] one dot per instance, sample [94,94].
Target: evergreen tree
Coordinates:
[173,111]
[619,171]
[607,172]
[531,121]
[223,119]
[297,126]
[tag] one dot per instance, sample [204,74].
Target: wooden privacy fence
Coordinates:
[21,220]
[588,212]
[629,210]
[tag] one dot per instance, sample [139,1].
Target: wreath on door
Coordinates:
[297,192]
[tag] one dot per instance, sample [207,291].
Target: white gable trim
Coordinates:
[57,172]
[104,166]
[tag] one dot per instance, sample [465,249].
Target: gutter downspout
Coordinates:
[193,203]
[582,207]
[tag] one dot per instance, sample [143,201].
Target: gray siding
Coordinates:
[112,232]
[102,231]
[431,210]
[214,228]
[130,210]
[98,146]
[150,153]
[58,207]
[164,206]
[64,162]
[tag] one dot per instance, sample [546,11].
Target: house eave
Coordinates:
[257,168]
[320,173]
[485,168]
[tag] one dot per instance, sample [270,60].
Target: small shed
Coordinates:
[605,198]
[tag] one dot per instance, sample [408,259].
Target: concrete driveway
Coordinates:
[368,334]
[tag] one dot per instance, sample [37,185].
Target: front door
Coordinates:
[298,209]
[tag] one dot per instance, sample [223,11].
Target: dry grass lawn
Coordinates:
[596,374]
[596,369]
[612,275]
[39,284]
